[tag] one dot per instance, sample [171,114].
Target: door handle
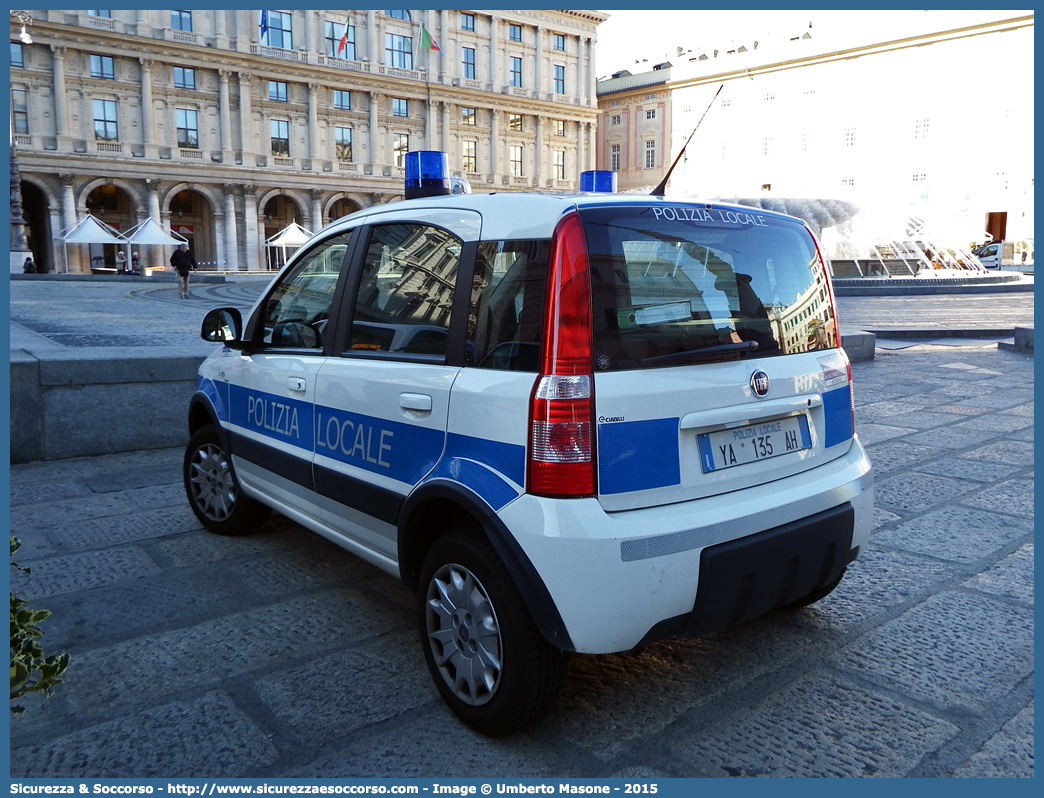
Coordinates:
[415,401]
[296,383]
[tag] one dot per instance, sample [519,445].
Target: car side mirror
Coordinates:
[223,326]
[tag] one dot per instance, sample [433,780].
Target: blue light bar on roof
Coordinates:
[426,174]
[598,180]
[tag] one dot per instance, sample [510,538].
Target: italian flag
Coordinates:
[344,37]
[427,42]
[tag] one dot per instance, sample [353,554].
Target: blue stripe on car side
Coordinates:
[507,458]
[486,483]
[837,416]
[278,417]
[217,393]
[638,455]
[482,466]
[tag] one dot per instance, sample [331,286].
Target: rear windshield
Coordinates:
[673,284]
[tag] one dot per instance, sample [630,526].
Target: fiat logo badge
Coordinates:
[759,383]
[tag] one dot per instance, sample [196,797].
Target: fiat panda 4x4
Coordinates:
[576,423]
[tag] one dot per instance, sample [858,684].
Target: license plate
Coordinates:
[742,445]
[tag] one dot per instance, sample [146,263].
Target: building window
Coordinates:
[401,146]
[559,163]
[17,56]
[400,107]
[467,116]
[343,144]
[920,177]
[559,79]
[650,114]
[515,33]
[280,30]
[726,103]
[20,112]
[850,136]
[614,119]
[342,99]
[467,22]
[921,129]
[468,156]
[188,128]
[277,91]
[105,14]
[105,127]
[514,121]
[279,130]
[184,78]
[102,67]
[650,155]
[766,146]
[614,157]
[515,158]
[467,62]
[849,181]
[769,96]
[181,20]
[650,96]
[558,41]
[558,127]
[398,51]
[334,33]
[397,14]
[516,72]
[613,103]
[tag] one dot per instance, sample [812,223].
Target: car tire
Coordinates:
[817,594]
[213,490]
[488,659]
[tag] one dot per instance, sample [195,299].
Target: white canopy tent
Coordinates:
[89,231]
[149,233]
[293,236]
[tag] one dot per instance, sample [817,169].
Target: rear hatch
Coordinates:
[715,349]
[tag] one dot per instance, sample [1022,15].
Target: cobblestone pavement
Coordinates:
[280,655]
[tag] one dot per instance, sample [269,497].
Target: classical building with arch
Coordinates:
[225,126]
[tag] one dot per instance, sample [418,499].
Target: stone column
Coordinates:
[431,131]
[252,234]
[494,146]
[538,157]
[317,210]
[232,262]
[436,60]
[581,85]
[446,109]
[586,77]
[72,263]
[220,30]
[494,54]
[141,21]
[61,120]
[372,51]
[538,79]
[448,50]
[313,128]
[154,257]
[591,149]
[246,118]
[580,147]
[375,149]
[225,114]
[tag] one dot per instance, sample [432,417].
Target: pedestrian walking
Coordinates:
[183,262]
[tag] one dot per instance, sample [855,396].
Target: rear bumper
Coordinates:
[621,579]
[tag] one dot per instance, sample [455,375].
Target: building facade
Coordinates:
[226,126]
[635,123]
[929,132]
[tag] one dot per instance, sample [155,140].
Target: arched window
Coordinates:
[398,15]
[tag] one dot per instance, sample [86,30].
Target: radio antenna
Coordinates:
[660,189]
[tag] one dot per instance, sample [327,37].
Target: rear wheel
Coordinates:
[489,661]
[213,491]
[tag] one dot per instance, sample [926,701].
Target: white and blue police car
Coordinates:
[571,423]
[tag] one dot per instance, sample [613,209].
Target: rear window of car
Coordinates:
[675,284]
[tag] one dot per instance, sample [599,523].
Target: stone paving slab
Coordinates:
[278,654]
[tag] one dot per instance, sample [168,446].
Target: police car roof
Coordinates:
[519,215]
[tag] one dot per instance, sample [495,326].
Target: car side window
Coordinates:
[297,312]
[406,291]
[507,305]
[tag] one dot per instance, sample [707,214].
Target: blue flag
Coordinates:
[264,24]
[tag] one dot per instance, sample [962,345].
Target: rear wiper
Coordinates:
[708,353]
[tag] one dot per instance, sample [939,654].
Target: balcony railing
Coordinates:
[282,161]
[346,166]
[183,36]
[21,138]
[398,72]
[196,155]
[108,146]
[343,63]
[101,23]
[275,52]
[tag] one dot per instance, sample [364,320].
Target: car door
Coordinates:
[272,383]
[382,402]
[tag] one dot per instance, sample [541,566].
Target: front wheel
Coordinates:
[489,661]
[213,491]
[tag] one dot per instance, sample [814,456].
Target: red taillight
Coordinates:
[561,436]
